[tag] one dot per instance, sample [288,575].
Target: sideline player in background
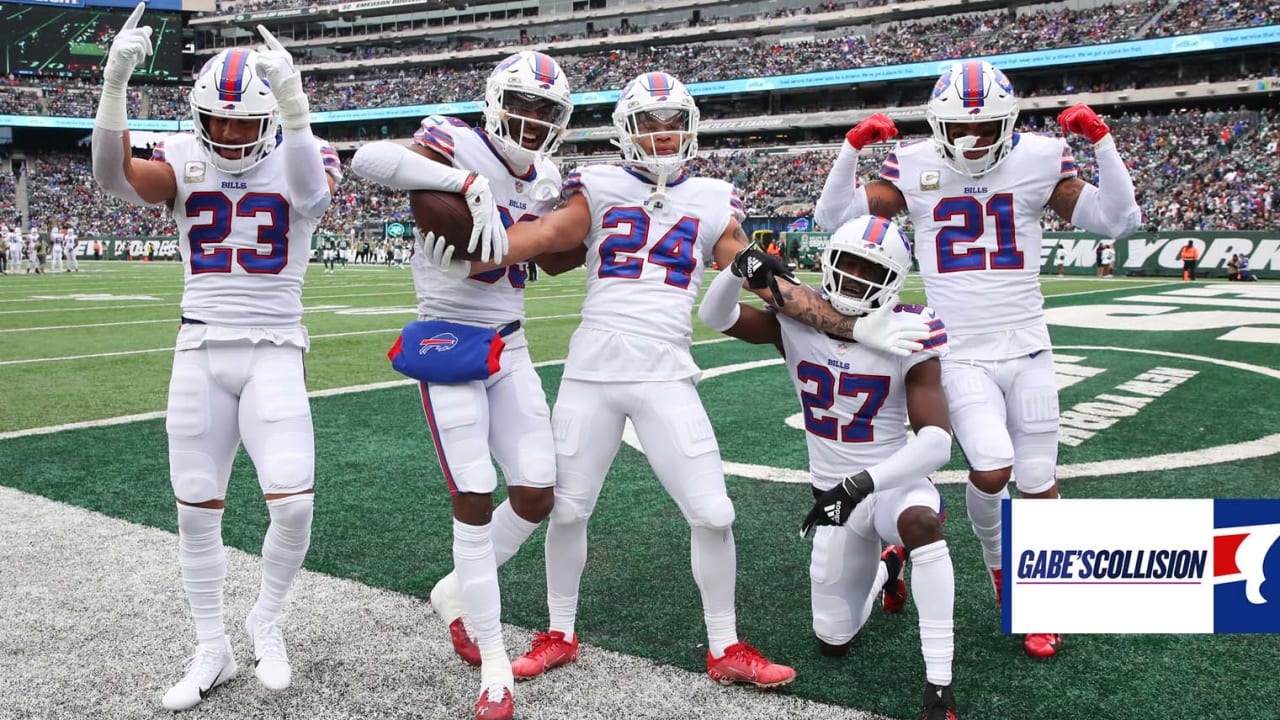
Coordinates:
[71,249]
[976,192]
[859,453]
[527,108]
[647,231]
[246,201]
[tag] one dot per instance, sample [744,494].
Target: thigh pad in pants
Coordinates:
[976,405]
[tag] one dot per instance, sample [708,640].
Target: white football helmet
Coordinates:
[972,92]
[875,241]
[526,102]
[229,87]
[649,107]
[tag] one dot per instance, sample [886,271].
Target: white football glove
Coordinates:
[881,330]
[275,66]
[432,251]
[130,46]
[487,231]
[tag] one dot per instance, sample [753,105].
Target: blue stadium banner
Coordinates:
[71,123]
[1141,566]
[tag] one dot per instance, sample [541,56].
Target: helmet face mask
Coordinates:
[865,264]
[972,113]
[527,106]
[228,88]
[656,120]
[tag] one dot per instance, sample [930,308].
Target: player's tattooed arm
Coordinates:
[884,199]
[1065,196]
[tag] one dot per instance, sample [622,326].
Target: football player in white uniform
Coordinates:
[527,108]
[57,242]
[246,201]
[975,193]
[866,475]
[647,231]
[71,249]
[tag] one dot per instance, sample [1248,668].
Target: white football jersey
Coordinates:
[495,297]
[644,268]
[244,248]
[853,398]
[978,240]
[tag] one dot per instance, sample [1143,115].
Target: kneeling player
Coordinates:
[870,481]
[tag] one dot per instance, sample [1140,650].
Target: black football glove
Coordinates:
[762,270]
[834,506]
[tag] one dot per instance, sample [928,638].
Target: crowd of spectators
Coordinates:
[1193,170]
[936,39]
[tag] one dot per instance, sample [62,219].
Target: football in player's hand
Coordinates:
[446,215]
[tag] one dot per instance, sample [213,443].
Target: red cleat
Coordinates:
[895,588]
[744,664]
[463,644]
[1042,645]
[997,575]
[501,709]
[550,650]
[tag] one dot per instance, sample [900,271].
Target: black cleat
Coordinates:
[939,704]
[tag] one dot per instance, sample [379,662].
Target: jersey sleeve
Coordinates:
[935,346]
[1068,168]
[572,184]
[736,208]
[439,133]
[157,151]
[329,157]
[889,169]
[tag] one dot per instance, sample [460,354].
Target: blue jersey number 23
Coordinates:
[274,234]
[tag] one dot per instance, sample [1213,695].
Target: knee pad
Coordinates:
[714,512]
[287,473]
[570,508]
[1034,474]
[294,511]
[195,477]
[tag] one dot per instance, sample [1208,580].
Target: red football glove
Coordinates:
[1082,120]
[874,129]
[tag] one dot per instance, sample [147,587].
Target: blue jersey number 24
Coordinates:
[674,251]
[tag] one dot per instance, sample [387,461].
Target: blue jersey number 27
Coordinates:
[825,387]
[207,257]
[673,251]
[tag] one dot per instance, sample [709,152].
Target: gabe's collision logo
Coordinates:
[1111,565]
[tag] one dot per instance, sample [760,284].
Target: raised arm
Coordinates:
[721,310]
[843,198]
[1110,208]
[141,182]
[310,186]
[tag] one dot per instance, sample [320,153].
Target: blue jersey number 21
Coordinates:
[274,234]
[1000,209]
[674,251]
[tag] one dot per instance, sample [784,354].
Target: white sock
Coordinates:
[495,669]
[204,567]
[566,556]
[933,584]
[877,587]
[283,550]
[478,580]
[984,516]
[509,531]
[714,558]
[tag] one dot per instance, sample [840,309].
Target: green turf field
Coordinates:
[78,348]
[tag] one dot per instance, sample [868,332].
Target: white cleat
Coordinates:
[211,666]
[271,662]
